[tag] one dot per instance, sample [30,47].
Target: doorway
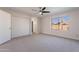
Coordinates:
[32,26]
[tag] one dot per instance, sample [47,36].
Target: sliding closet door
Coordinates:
[20,26]
[5,24]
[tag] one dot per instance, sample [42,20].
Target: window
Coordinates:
[60,23]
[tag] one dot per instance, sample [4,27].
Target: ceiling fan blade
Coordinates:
[43,8]
[45,11]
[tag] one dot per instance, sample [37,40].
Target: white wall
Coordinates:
[21,25]
[73,32]
[5,24]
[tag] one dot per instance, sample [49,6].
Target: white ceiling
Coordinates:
[34,12]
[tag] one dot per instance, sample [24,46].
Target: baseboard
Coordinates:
[58,36]
[14,38]
[40,33]
[20,36]
[5,42]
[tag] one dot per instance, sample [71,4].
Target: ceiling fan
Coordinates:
[42,10]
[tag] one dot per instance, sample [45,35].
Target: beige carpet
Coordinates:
[40,43]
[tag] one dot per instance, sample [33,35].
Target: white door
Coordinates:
[5,24]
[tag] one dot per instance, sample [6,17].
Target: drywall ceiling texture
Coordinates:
[73,31]
[34,11]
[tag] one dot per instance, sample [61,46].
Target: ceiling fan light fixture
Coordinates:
[40,13]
